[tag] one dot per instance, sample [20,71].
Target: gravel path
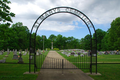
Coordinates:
[54,60]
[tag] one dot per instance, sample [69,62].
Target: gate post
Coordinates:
[62,64]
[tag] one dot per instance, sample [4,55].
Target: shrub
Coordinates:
[47,49]
[56,49]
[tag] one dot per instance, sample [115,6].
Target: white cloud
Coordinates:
[99,12]
[59,27]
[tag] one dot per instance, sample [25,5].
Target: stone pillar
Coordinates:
[52,45]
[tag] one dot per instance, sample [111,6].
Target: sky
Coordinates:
[100,12]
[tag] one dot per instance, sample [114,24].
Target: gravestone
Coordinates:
[79,53]
[3,61]
[75,55]
[20,51]
[111,52]
[13,50]
[82,51]
[72,53]
[24,53]
[100,53]
[63,52]
[31,57]
[106,52]
[8,52]
[37,53]
[85,53]
[89,52]
[117,53]
[20,58]
[94,54]
[15,56]
[68,55]
[1,53]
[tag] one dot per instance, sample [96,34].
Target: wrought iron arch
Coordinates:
[56,10]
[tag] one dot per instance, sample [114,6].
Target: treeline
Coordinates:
[17,37]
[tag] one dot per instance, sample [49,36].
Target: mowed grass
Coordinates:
[15,71]
[107,71]
[108,58]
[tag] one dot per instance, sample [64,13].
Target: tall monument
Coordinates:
[52,45]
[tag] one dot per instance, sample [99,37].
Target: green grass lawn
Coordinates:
[108,58]
[15,71]
[107,71]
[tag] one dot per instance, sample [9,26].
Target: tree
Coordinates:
[70,42]
[114,35]
[87,42]
[5,11]
[52,37]
[104,43]
[82,43]
[21,35]
[100,35]
[59,43]
[4,36]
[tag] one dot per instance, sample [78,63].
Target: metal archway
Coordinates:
[70,10]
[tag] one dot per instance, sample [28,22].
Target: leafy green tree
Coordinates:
[100,35]
[5,14]
[82,43]
[38,42]
[104,44]
[52,37]
[87,42]
[4,36]
[114,34]
[70,42]
[59,43]
[22,35]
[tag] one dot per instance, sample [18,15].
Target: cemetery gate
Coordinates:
[38,22]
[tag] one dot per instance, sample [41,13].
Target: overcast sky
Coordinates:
[100,12]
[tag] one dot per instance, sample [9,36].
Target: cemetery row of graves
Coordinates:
[15,56]
[102,56]
[72,54]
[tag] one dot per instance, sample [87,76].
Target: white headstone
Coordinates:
[75,55]
[81,55]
